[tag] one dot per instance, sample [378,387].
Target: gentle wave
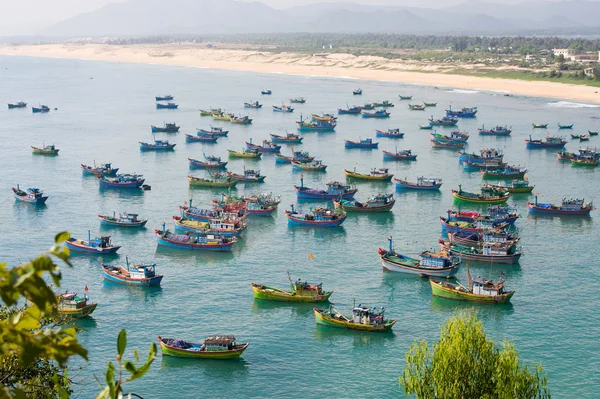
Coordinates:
[462,91]
[568,104]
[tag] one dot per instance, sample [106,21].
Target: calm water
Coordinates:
[553,318]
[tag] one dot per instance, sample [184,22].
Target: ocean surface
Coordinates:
[104,109]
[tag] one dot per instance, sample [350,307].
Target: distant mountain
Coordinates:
[158,17]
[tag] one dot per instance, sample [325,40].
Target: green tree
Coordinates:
[466,364]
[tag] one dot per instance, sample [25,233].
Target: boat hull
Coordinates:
[225,247]
[560,212]
[84,249]
[315,223]
[417,271]
[437,289]
[405,185]
[309,194]
[493,200]
[145,282]
[324,320]
[134,184]
[274,294]
[360,176]
[116,223]
[214,355]
[354,144]
[78,313]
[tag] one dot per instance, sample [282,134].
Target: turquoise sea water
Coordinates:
[553,317]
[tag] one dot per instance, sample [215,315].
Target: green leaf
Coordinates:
[62,237]
[121,342]
[110,376]
[104,394]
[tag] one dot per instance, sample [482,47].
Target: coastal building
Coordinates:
[571,56]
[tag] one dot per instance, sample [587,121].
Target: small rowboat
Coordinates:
[203,138]
[283,108]
[416,107]
[214,131]
[422,183]
[166,97]
[141,274]
[246,153]
[218,347]
[426,127]
[436,264]
[376,203]
[121,181]
[357,92]
[159,145]
[366,143]
[487,196]
[318,217]
[266,146]
[427,104]
[405,97]
[540,125]
[74,307]
[581,137]
[197,242]
[362,319]
[20,104]
[46,150]
[312,166]
[255,105]
[105,169]
[565,126]
[216,182]
[125,219]
[572,206]
[249,176]
[289,138]
[390,133]
[482,291]
[404,155]
[32,195]
[195,163]
[266,92]
[375,174]
[98,246]
[593,133]
[167,106]
[167,128]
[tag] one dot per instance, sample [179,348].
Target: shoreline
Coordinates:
[333,65]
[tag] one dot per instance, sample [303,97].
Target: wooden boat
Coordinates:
[333,190]
[98,246]
[266,146]
[217,347]
[222,116]
[246,153]
[571,206]
[121,181]
[289,138]
[404,155]
[377,114]
[497,214]
[495,131]
[462,113]
[428,104]
[451,144]
[266,92]
[514,187]
[549,142]
[20,104]
[391,133]
[197,242]
[444,121]
[283,108]
[426,127]
[283,159]
[490,252]
[105,169]
[323,126]
[217,226]
[436,264]
[477,239]
[210,163]
[366,143]
[593,133]
[261,204]
[579,160]
[166,97]
[486,155]
[505,173]
[478,290]
[565,126]
[487,196]
[45,150]
[143,274]
[32,195]
[564,155]
[357,92]
[470,227]
[40,109]
[74,307]
[328,118]
[318,217]
[422,183]
[405,97]
[205,113]
[362,319]
[124,219]
[540,125]
[581,137]
[255,105]
[312,166]
[375,203]
[249,176]
[300,291]
[355,110]
[214,131]
[374,174]
[298,100]
[216,181]
[167,128]
[416,107]
[158,145]
[368,107]
[460,137]
[167,106]
[203,138]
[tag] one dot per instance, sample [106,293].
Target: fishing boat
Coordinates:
[366,143]
[167,106]
[222,116]
[74,307]
[362,319]
[124,219]
[514,187]
[570,206]
[298,156]
[266,146]
[405,97]
[289,138]
[218,347]
[261,204]
[266,92]
[404,155]
[452,224]
[312,166]
[377,114]
[540,125]
[375,203]
[416,107]
[485,155]
[317,217]
[249,176]
[461,137]
[477,239]
[45,150]
[490,252]
[593,133]
[283,108]
[198,241]
[368,107]
[564,155]
[32,195]
[158,145]
[426,127]
[255,105]
[383,104]
[579,160]
[98,246]
[245,153]
[355,110]
[430,264]
[143,274]
[333,190]
[504,173]
[201,138]
[565,126]
[488,195]
[462,113]
[478,290]
[298,100]
[204,112]
[210,163]
[451,144]
[357,92]
[498,214]
[444,121]
[216,181]
[323,126]
[214,131]
[428,104]
[495,131]
[300,291]
[40,109]
[323,118]
[390,133]
[167,128]
[105,169]
[374,174]
[422,183]
[121,181]
[20,104]
[548,142]
[218,226]
[166,97]
[581,137]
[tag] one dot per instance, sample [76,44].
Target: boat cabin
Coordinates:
[102,242]
[70,300]
[142,270]
[572,204]
[302,287]
[428,181]
[369,316]
[217,343]
[435,260]
[496,249]
[488,287]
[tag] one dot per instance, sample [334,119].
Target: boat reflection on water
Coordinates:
[204,258]
[298,310]
[133,293]
[484,311]
[231,369]
[85,323]
[360,339]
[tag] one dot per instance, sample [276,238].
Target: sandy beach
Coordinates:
[340,65]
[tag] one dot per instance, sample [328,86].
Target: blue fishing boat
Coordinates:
[357,92]
[266,92]
[143,274]
[462,113]
[214,131]
[495,131]
[159,145]
[20,104]
[333,190]
[390,133]
[289,138]
[318,217]
[549,142]
[32,195]
[41,108]
[571,206]
[266,146]
[444,121]
[404,155]
[436,264]
[492,154]
[202,138]
[355,110]
[98,246]
[167,106]
[366,143]
[197,242]
[121,181]
[422,183]
[255,105]
[167,128]
[318,125]
[211,162]
[382,113]
[166,97]
[565,126]
[502,214]
[283,108]
[124,219]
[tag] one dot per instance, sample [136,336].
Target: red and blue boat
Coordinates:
[142,274]
[571,206]
[495,131]
[201,138]
[289,138]
[403,155]
[158,145]
[214,131]
[32,195]
[196,242]
[334,190]
[104,169]
[366,143]
[548,142]
[98,246]
[211,162]
[465,112]
[390,133]
[266,146]
[319,217]
[122,181]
